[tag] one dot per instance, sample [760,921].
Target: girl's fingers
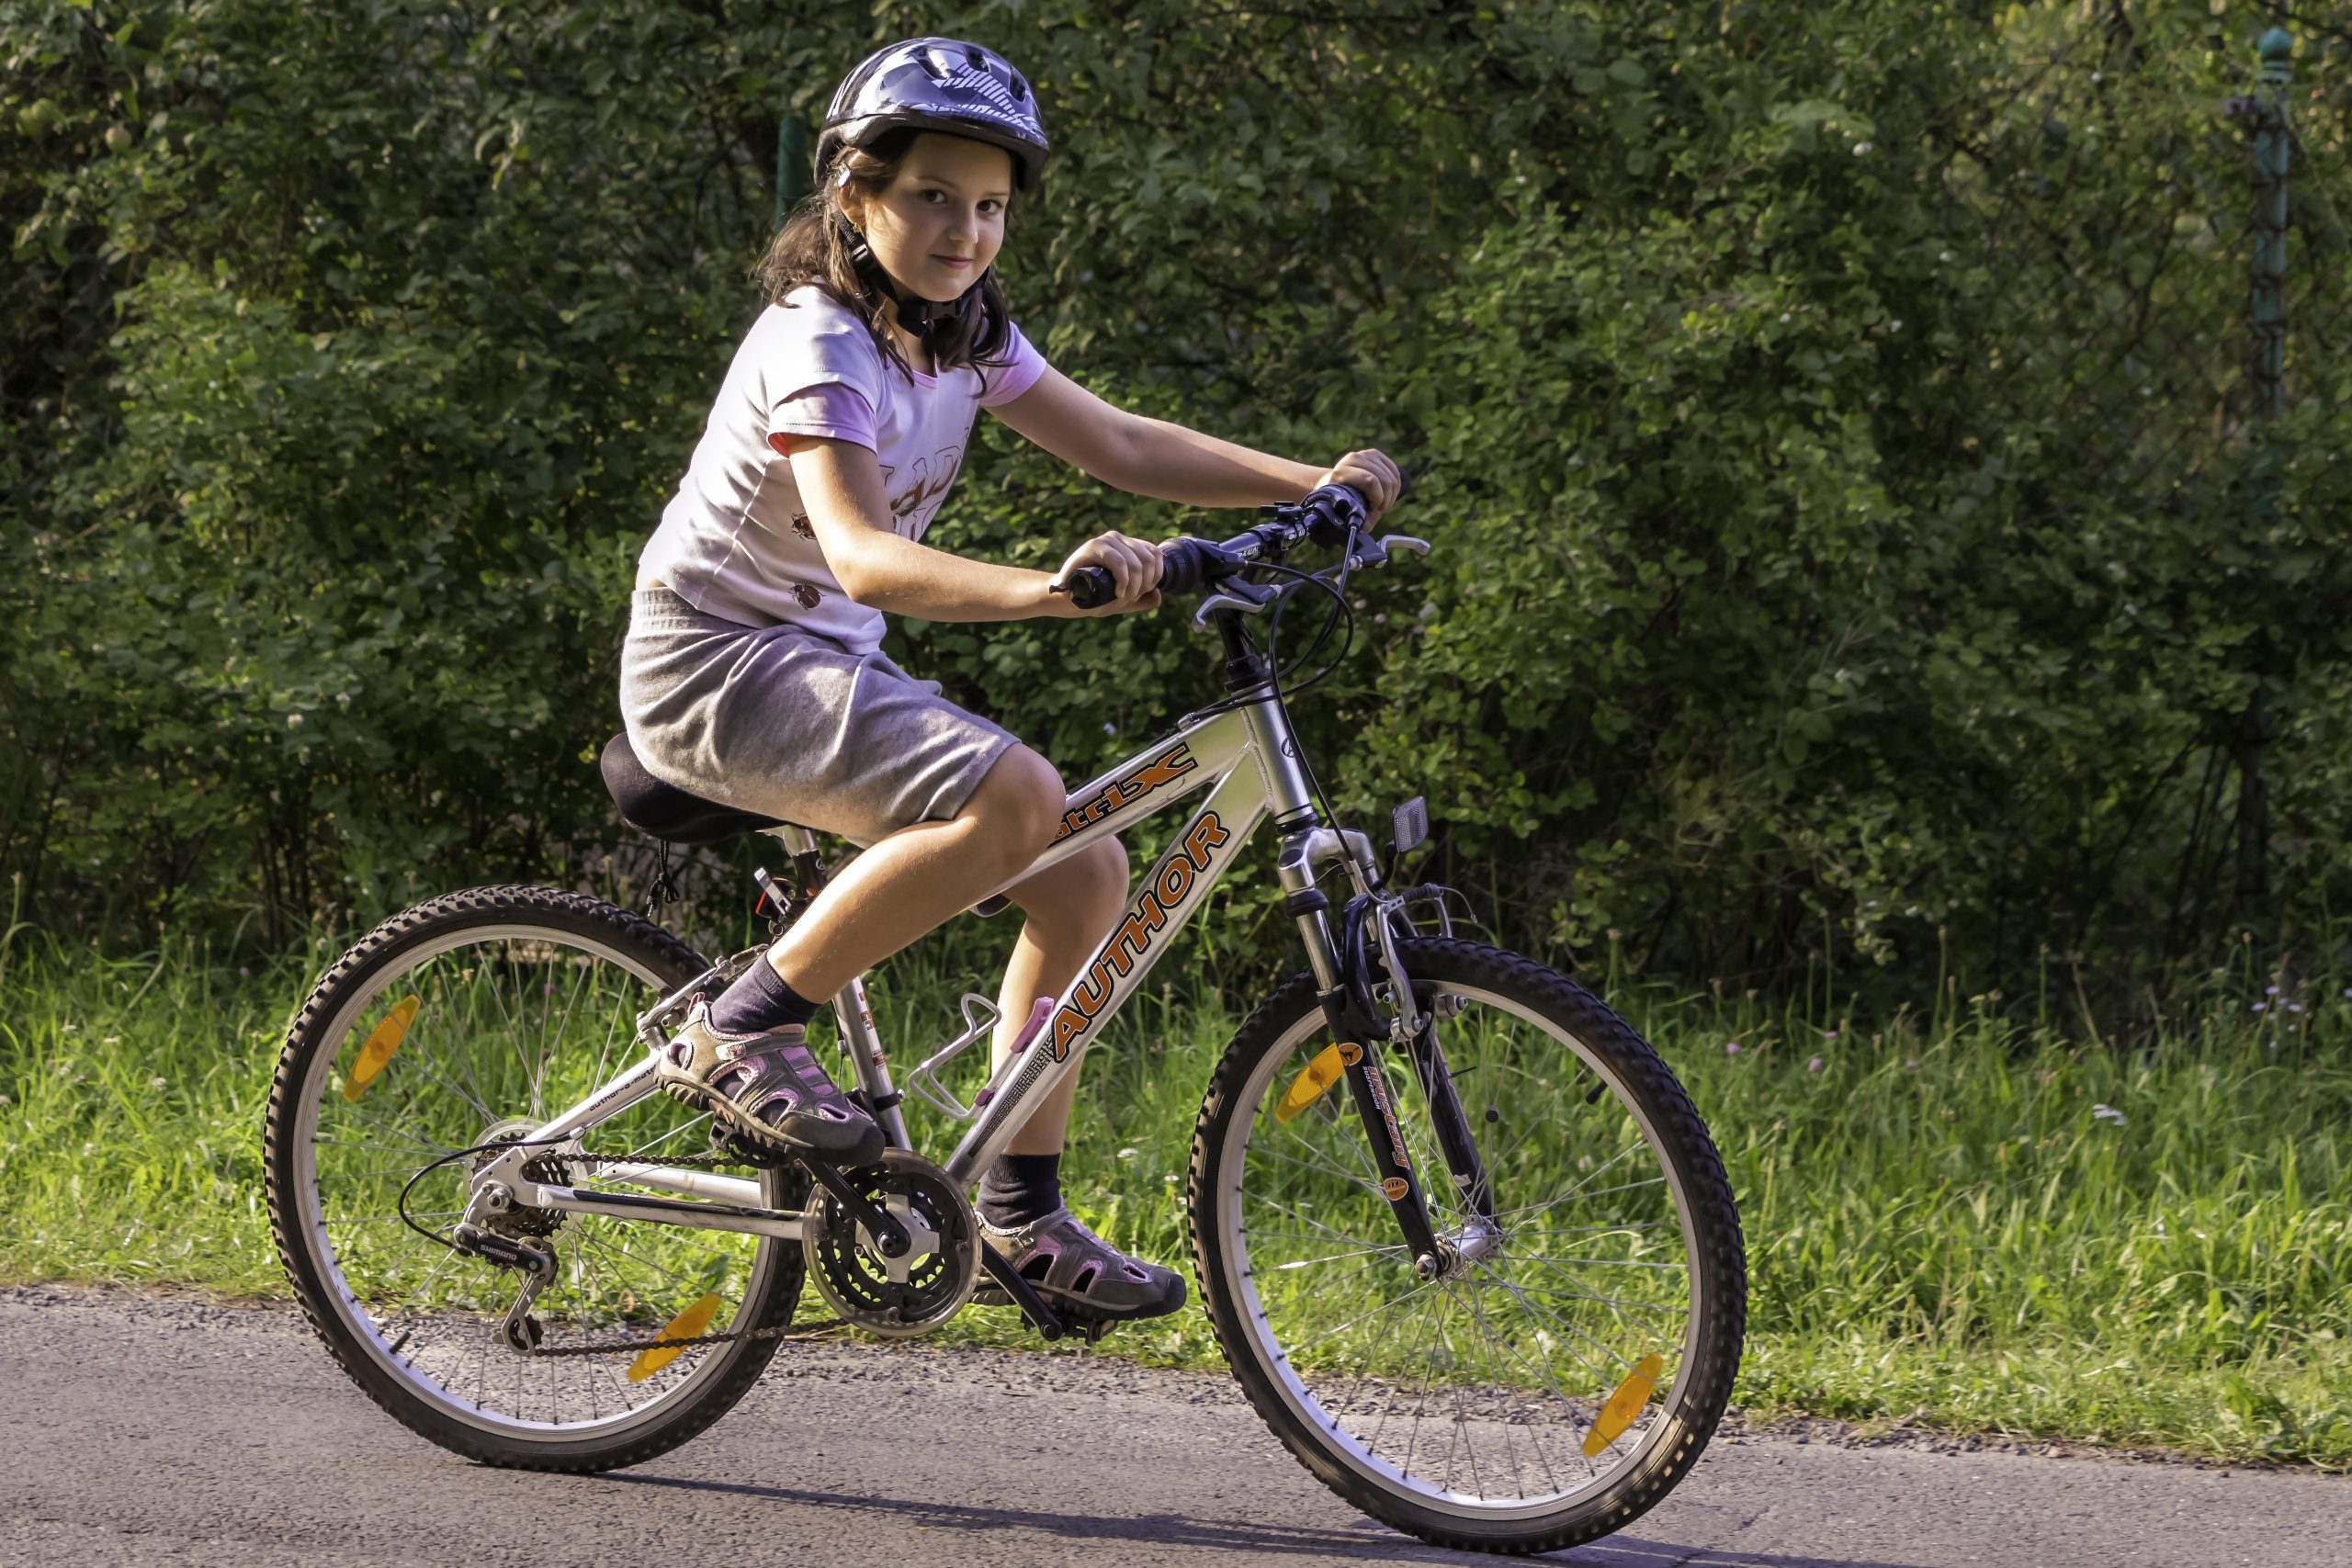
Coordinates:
[1134,564]
[1150,563]
[1126,569]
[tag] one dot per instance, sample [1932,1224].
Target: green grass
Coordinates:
[1953,1219]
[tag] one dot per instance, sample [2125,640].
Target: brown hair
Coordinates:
[814,247]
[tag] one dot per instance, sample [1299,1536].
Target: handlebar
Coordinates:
[1330,515]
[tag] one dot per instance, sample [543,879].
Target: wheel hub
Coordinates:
[509,1218]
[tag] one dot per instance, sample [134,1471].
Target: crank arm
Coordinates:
[1024,1295]
[890,1237]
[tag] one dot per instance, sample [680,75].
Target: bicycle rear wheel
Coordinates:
[1567,1371]
[467,1021]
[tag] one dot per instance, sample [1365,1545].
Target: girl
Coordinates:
[751,673]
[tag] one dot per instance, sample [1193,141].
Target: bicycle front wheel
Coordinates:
[1569,1362]
[469,1021]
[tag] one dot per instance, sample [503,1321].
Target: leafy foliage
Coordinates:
[1850,504]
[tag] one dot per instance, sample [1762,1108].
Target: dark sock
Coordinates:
[1021,1188]
[758,1002]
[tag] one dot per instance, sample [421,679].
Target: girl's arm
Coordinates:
[840,485]
[1169,462]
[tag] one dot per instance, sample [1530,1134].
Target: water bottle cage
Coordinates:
[980,1017]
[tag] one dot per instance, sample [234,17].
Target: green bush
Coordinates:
[1840,471]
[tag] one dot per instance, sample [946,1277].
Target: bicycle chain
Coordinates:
[555,1170]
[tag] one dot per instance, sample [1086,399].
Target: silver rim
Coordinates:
[514,1019]
[1473,1394]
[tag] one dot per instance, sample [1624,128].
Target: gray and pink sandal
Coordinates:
[767,1089]
[1073,1269]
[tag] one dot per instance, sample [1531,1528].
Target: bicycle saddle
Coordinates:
[665,810]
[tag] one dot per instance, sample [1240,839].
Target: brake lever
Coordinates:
[1387,542]
[1243,598]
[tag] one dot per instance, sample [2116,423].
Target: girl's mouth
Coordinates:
[958,262]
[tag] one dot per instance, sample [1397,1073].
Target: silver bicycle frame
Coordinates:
[1246,757]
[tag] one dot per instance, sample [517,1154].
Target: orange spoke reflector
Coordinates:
[691,1323]
[1313,1079]
[380,1045]
[1623,1405]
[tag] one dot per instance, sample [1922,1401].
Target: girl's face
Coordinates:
[939,223]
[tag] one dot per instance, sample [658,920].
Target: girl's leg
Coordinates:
[904,885]
[1070,905]
[747,1058]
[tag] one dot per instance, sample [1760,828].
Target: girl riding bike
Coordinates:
[751,673]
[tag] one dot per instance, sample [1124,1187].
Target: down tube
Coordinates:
[1169,892]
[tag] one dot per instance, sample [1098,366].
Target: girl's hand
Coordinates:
[1371,475]
[1134,565]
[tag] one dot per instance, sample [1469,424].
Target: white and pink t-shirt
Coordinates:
[735,541]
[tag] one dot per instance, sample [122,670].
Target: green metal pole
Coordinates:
[793,178]
[2270,320]
[2271,143]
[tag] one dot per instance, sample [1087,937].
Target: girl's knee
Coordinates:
[1017,809]
[1100,876]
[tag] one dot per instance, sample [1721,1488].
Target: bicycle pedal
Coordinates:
[1092,1329]
[1088,1327]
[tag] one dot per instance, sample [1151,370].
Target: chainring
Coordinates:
[903,1296]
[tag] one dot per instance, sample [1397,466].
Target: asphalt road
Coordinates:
[143,1429]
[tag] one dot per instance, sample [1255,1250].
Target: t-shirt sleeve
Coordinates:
[829,409]
[820,372]
[1020,371]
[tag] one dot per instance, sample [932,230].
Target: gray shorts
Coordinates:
[789,724]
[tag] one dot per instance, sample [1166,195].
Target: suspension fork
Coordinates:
[1455,1138]
[1414,1032]
[1417,1023]
[1343,987]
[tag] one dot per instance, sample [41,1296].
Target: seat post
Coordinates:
[801,845]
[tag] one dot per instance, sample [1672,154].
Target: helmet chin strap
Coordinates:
[917,315]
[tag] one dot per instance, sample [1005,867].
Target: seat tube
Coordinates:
[862,1044]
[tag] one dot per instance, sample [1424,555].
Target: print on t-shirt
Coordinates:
[932,476]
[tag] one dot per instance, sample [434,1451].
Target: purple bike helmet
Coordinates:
[936,83]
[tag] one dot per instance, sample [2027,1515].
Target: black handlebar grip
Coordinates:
[1333,512]
[1091,586]
[1185,565]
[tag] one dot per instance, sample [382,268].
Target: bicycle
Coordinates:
[1460,1234]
